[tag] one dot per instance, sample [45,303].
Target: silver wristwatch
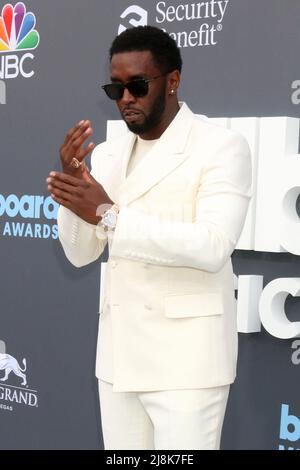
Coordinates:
[109,218]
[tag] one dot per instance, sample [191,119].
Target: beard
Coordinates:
[153,118]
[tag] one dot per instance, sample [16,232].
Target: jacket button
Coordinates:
[113,264]
[148,307]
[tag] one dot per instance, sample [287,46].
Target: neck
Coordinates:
[166,120]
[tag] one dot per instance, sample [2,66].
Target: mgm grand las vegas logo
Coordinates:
[14,387]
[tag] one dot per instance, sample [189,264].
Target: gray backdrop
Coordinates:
[49,309]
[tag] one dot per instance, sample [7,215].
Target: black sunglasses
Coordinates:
[137,88]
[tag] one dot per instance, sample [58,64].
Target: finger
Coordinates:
[81,137]
[82,128]
[63,187]
[73,131]
[73,148]
[84,151]
[61,194]
[85,172]
[55,176]
[62,202]
[67,204]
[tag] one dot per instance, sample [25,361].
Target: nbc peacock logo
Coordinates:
[17,29]
[17,34]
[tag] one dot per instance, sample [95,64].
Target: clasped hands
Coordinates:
[75,188]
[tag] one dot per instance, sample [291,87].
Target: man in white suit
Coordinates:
[170,198]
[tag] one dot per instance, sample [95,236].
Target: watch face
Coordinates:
[110,219]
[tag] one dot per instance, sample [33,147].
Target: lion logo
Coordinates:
[9,363]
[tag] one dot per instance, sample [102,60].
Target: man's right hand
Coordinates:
[73,147]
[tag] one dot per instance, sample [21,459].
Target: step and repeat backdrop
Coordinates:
[241,70]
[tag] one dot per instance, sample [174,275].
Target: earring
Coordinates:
[172,92]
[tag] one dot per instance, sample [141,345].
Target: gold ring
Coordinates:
[75,163]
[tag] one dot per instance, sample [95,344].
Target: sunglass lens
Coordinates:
[114,90]
[138,88]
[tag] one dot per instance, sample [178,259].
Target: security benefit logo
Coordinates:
[289,429]
[133,16]
[17,34]
[190,24]
[28,216]
[14,387]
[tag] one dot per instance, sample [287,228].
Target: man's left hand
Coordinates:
[81,196]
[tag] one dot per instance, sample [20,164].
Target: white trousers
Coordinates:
[166,419]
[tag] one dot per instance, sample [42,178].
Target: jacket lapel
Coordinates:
[167,154]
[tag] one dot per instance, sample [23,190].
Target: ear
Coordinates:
[173,82]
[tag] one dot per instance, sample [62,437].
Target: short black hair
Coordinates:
[165,51]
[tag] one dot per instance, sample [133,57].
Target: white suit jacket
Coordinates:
[169,313]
